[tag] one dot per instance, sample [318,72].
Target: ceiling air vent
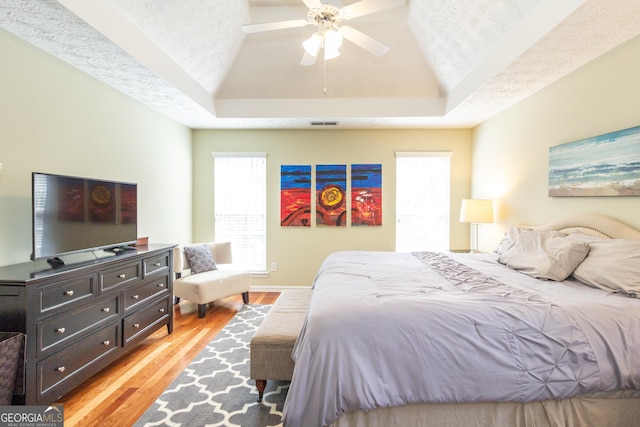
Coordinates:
[324,123]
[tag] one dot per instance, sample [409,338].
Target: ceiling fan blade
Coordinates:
[313,4]
[364,41]
[270,26]
[308,60]
[366,7]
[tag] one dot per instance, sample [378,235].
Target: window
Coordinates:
[240,207]
[422,201]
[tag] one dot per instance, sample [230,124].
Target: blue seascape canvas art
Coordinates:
[604,165]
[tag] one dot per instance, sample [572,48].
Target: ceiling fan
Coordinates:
[330,31]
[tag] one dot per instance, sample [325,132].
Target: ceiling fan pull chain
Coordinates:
[324,69]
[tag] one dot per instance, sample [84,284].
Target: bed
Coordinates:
[444,339]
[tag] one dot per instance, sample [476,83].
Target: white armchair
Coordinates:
[205,287]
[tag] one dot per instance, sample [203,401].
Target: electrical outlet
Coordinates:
[274,266]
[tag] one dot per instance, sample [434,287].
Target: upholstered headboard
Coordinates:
[592,224]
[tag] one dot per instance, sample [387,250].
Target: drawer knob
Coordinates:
[60,330]
[60,369]
[161,285]
[136,325]
[161,310]
[135,296]
[157,264]
[69,293]
[122,276]
[106,342]
[106,309]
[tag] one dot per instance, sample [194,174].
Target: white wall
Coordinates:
[300,250]
[55,118]
[510,152]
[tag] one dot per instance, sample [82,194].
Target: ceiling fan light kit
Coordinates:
[330,41]
[328,36]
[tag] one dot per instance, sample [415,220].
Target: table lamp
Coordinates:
[476,211]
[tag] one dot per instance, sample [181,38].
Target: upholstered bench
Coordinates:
[272,344]
[218,281]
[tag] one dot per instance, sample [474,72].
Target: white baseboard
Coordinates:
[257,288]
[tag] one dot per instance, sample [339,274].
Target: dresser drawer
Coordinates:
[63,295]
[155,264]
[58,331]
[119,276]
[62,366]
[145,321]
[141,293]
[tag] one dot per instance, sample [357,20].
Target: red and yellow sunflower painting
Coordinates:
[331,195]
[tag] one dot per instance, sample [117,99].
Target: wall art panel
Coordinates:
[295,195]
[366,194]
[331,195]
[604,165]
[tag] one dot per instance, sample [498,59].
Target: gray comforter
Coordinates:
[387,329]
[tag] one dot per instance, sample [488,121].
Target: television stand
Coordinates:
[82,317]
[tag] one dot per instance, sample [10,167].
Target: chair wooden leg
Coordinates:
[202,310]
[261,385]
[245,297]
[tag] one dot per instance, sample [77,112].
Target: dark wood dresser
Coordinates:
[80,318]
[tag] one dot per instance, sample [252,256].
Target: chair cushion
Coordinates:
[199,258]
[206,287]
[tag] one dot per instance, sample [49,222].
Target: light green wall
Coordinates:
[57,119]
[54,118]
[510,153]
[300,250]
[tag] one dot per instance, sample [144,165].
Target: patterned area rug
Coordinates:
[215,389]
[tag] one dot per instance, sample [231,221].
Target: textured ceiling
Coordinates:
[451,63]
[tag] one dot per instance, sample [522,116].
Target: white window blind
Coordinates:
[240,207]
[422,201]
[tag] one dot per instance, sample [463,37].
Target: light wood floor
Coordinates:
[120,394]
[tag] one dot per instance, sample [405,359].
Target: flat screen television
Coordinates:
[72,214]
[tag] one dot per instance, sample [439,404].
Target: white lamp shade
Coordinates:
[312,44]
[332,40]
[476,211]
[331,53]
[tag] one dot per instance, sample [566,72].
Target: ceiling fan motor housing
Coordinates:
[325,18]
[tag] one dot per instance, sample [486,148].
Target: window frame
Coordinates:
[445,244]
[257,267]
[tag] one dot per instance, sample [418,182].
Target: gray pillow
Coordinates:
[545,254]
[613,265]
[199,258]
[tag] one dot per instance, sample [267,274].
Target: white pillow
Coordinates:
[545,254]
[613,265]
[509,239]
